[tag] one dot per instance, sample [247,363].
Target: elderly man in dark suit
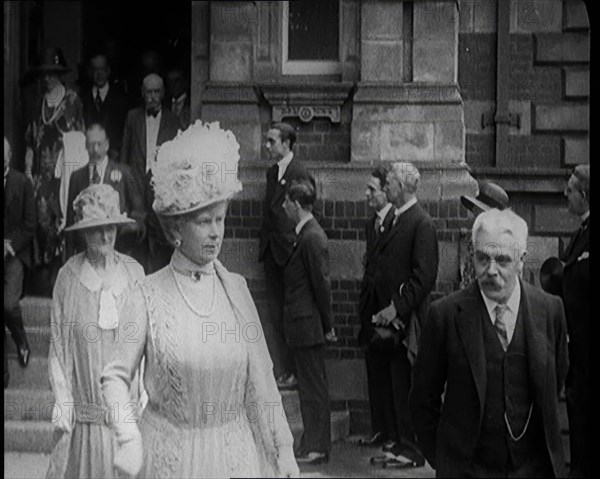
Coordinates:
[147,128]
[492,361]
[101,169]
[105,103]
[308,321]
[276,242]
[404,272]
[576,297]
[378,362]
[19,226]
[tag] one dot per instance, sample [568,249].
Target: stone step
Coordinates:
[19,465]
[28,405]
[34,376]
[29,436]
[38,338]
[36,311]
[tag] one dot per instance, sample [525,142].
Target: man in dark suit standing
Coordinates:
[378,363]
[19,226]
[276,242]
[496,352]
[404,272]
[308,321]
[99,170]
[576,297]
[147,128]
[105,103]
[178,99]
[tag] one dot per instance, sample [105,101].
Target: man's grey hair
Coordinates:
[506,221]
[407,174]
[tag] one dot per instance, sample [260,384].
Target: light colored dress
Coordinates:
[213,406]
[79,349]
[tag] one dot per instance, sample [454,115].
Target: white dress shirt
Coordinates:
[152,127]
[101,169]
[405,207]
[302,222]
[103,91]
[383,212]
[283,164]
[512,310]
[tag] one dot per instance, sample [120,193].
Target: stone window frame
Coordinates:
[308,67]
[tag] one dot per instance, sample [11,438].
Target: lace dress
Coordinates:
[79,349]
[213,407]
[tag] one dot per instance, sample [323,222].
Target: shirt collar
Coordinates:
[302,222]
[585,216]
[384,211]
[405,207]
[284,163]
[116,280]
[512,304]
[151,118]
[103,90]
[101,166]
[181,98]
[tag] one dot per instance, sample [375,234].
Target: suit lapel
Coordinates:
[9,190]
[469,324]
[537,340]
[142,134]
[387,224]
[107,172]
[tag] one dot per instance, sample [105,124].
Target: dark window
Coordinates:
[313,30]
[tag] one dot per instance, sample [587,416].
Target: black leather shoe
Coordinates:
[398,463]
[374,440]
[389,446]
[313,458]
[287,381]
[23,353]
[379,460]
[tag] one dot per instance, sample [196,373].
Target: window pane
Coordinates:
[313,30]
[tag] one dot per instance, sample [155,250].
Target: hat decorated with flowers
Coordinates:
[97,205]
[196,169]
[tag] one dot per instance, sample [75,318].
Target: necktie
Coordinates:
[500,325]
[98,100]
[377,226]
[96,175]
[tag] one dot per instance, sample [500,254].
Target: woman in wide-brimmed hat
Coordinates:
[214,409]
[86,310]
[60,112]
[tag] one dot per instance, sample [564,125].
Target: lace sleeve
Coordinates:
[118,374]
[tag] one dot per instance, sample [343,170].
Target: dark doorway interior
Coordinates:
[128,32]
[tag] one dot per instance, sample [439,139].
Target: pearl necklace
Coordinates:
[58,109]
[195,278]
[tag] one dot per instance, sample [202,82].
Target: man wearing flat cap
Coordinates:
[576,298]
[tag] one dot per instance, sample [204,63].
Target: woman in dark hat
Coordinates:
[60,111]
[490,196]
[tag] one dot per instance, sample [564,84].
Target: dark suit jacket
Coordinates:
[369,302]
[277,230]
[19,214]
[111,116]
[407,255]
[130,200]
[307,299]
[452,358]
[576,297]
[133,150]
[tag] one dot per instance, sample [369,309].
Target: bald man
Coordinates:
[146,128]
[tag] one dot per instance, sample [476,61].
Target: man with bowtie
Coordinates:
[576,297]
[491,364]
[404,274]
[277,238]
[146,128]
[101,169]
[105,103]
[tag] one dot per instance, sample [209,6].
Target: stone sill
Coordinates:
[407,93]
[355,165]
[525,180]
[307,93]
